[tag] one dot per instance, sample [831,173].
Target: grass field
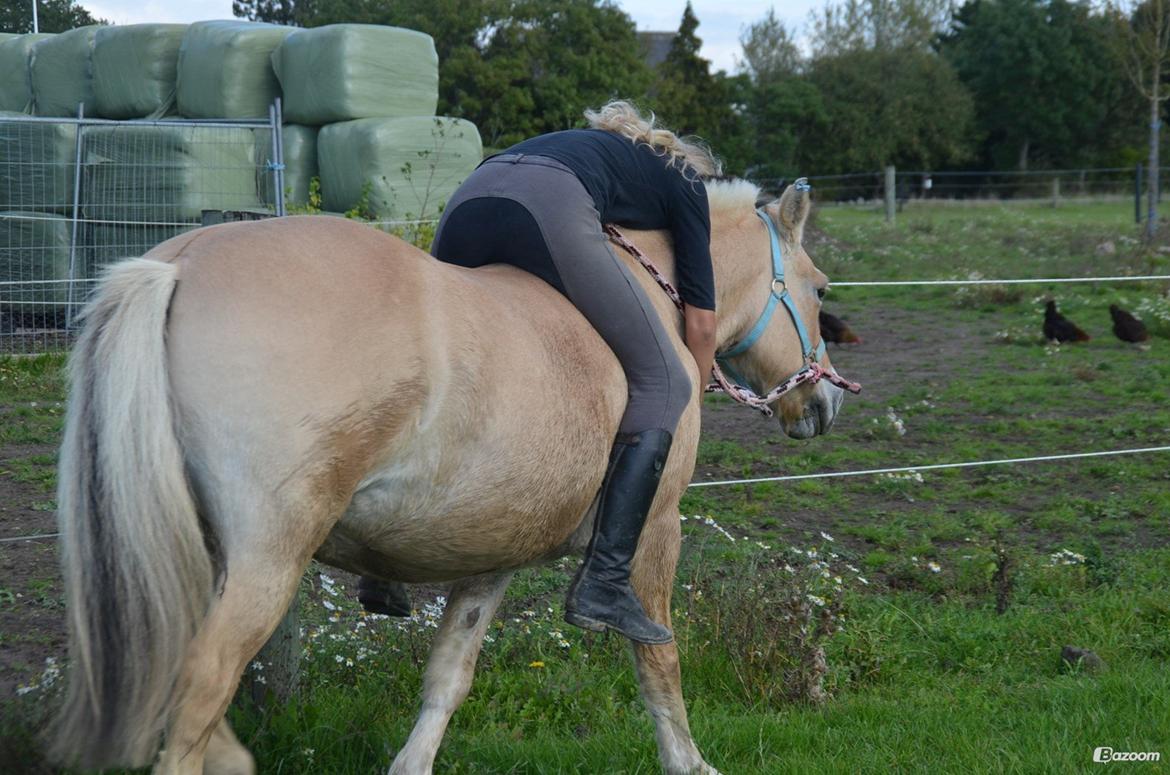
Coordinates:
[942,600]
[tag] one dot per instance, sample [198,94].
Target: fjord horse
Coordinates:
[252,395]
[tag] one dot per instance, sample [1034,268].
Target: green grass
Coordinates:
[920,683]
[924,675]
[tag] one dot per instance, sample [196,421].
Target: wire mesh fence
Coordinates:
[79,194]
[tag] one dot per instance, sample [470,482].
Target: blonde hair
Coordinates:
[623,118]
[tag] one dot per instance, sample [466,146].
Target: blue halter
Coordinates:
[780,295]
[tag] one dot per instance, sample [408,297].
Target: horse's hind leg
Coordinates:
[225,754]
[470,608]
[658,668]
[257,591]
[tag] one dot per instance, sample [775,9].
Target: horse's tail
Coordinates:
[138,573]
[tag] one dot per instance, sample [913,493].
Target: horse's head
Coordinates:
[760,330]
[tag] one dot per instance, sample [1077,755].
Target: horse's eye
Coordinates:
[821,293]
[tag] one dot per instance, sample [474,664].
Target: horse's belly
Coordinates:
[441,517]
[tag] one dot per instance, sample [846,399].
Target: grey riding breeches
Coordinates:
[534,213]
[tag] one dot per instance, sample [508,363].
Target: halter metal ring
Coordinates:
[783,288]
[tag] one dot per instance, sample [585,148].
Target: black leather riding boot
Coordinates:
[389,598]
[600,596]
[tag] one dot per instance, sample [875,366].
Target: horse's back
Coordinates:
[319,358]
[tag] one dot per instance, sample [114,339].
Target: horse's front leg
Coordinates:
[470,607]
[658,669]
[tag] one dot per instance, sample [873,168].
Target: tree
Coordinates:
[768,50]
[781,109]
[1145,45]
[461,29]
[903,107]
[693,101]
[515,68]
[1047,86]
[52,16]
[547,62]
[275,11]
[884,25]
[787,119]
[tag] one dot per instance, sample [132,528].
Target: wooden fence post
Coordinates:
[891,193]
[1137,193]
[275,672]
[1056,192]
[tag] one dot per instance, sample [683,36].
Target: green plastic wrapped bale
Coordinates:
[396,168]
[62,73]
[15,75]
[225,69]
[109,243]
[164,174]
[346,71]
[135,69]
[300,164]
[34,251]
[37,164]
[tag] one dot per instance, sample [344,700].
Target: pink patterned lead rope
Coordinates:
[744,395]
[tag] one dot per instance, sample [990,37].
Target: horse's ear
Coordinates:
[795,203]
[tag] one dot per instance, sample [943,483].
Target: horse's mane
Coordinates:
[726,195]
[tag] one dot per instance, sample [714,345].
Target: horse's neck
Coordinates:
[742,272]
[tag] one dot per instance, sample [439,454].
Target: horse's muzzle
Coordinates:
[819,412]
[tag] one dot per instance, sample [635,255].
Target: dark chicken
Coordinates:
[836,330]
[1127,327]
[1059,328]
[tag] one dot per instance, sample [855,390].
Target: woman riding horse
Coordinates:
[540,206]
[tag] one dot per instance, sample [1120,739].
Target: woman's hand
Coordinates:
[699,333]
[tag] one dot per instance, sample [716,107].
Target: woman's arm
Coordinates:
[699,332]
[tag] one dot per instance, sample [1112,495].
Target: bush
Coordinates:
[771,613]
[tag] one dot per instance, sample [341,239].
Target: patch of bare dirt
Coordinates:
[889,359]
[32,623]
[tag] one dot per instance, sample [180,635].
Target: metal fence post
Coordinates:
[891,194]
[276,163]
[69,293]
[280,203]
[1056,192]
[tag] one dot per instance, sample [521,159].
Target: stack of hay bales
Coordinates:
[373,90]
[35,173]
[360,101]
[225,69]
[37,166]
[62,73]
[207,70]
[179,172]
[16,72]
[35,246]
[396,168]
[136,69]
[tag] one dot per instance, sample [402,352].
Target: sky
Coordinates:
[720,22]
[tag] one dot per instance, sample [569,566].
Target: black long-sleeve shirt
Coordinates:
[633,185]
